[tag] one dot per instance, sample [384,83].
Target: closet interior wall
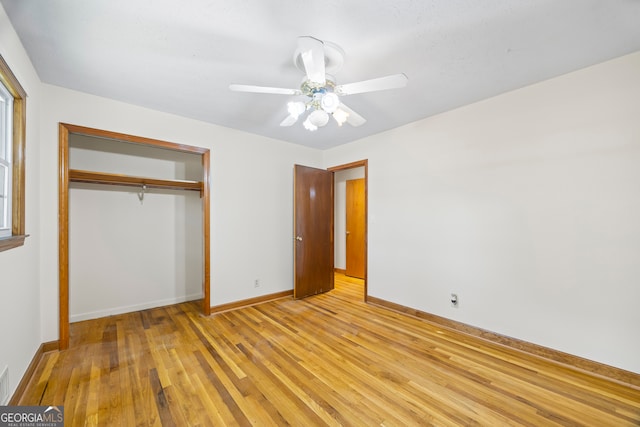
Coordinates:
[132,248]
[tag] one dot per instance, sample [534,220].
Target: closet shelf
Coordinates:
[76,175]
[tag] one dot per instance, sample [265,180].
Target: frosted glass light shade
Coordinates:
[296,108]
[330,102]
[308,125]
[340,116]
[319,118]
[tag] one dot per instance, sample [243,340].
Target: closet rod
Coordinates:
[76,175]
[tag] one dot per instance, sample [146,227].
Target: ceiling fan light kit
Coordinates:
[330,102]
[318,118]
[296,108]
[316,59]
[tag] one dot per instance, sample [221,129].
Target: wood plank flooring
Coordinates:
[325,360]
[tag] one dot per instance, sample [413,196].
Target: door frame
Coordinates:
[361,163]
[64,130]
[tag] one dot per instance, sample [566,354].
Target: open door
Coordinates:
[355,217]
[313,233]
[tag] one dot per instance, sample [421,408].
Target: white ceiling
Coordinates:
[181,56]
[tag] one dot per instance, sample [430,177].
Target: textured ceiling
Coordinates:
[181,56]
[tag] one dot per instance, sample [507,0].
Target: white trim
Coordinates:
[6,147]
[4,386]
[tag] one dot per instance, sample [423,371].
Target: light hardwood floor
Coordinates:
[326,360]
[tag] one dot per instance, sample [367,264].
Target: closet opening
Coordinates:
[133,224]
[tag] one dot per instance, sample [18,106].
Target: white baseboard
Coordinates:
[128,309]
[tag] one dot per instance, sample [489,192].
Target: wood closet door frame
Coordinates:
[64,130]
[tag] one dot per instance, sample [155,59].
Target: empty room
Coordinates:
[320,213]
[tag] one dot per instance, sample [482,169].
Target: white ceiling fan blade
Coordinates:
[289,120]
[264,89]
[394,81]
[312,53]
[353,118]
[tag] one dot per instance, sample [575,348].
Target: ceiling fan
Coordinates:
[317,59]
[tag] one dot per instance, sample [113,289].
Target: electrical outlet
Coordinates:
[4,386]
[256,284]
[454,300]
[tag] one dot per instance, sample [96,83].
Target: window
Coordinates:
[6,110]
[12,143]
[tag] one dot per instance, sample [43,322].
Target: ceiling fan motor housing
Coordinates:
[333,58]
[310,88]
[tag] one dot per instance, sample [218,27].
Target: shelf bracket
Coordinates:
[141,193]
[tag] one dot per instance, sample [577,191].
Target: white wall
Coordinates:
[126,256]
[19,292]
[251,193]
[526,205]
[340,213]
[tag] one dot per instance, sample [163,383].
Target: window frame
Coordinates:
[10,82]
[6,161]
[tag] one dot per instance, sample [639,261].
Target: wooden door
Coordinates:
[355,228]
[313,233]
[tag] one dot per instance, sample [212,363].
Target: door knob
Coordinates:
[299,238]
[348,232]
